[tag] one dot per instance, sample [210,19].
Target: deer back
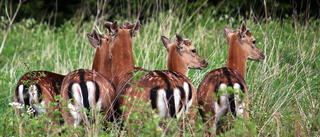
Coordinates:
[85,89]
[38,87]
[171,93]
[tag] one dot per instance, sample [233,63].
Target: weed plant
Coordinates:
[283,89]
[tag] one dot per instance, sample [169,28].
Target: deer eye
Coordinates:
[193,51]
[254,42]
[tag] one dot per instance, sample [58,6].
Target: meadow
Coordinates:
[284,89]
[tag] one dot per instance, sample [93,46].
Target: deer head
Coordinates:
[182,55]
[246,41]
[120,47]
[102,58]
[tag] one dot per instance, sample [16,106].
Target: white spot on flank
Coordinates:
[162,103]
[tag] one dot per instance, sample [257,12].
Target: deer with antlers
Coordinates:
[241,47]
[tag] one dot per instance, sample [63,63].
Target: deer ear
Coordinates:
[243,29]
[135,29]
[93,39]
[179,40]
[165,42]
[128,25]
[108,25]
[227,31]
[114,28]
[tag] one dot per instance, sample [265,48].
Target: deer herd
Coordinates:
[109,85]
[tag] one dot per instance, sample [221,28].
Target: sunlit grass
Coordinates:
[284,88]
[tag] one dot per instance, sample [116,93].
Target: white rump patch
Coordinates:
[177,100]
[91,91]
[39,108]
[162,103]
[239,107]
[91,96]
[186,89]
[33,92]
[78,103]
[34,95]
[223,107]
[20,90]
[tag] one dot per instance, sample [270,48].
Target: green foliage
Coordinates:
[283,89]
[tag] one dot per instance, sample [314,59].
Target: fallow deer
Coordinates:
[90,89]
[36,89]
[86,89]
[40,87]
[171,93]
[241,46]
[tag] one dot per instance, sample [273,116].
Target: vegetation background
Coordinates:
[284,88]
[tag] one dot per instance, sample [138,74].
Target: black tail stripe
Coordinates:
[17,93]
[241,86]
[182,95]
[154,96]
[190,92]
[26,96]
[169,93]
[232,103]
[84,90]
[216,90]
[97,94]
[70,92]
[170,98]
[39,90]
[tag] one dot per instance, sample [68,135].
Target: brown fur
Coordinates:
[241,46]
[100,73]
[122,64]
[106,92]
[150,80]
[102,60]
[182,55]
[210,85]
[48,82]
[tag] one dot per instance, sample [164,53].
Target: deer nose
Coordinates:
[262,56]
[205,63]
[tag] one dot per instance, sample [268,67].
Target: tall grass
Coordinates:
[284,88]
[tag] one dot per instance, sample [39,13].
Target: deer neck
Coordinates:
[102,63]
[122,58]
[96,61]
[237,57]
[176,62]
